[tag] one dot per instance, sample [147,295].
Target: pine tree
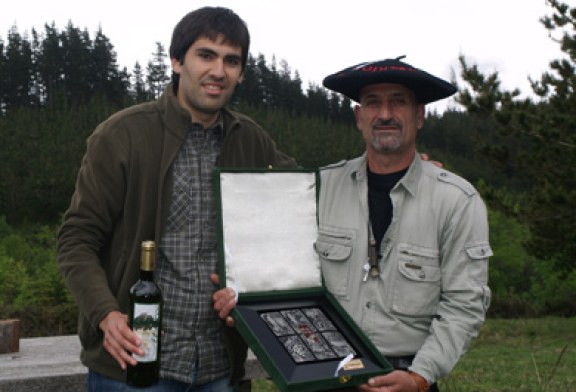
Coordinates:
[17,77]
[51,67]
[138,85]
[107,80]
[3,74]
[77,73]
[545,127]
[157,69]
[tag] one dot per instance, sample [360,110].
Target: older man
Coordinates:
[403,243]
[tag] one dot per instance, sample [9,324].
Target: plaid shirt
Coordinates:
[192,340]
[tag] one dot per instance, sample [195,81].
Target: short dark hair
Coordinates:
[208,22]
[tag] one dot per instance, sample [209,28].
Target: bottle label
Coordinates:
[146,324]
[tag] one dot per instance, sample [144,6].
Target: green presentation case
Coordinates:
[267,227]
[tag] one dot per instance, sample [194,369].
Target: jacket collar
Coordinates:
[409,181]
[178,120]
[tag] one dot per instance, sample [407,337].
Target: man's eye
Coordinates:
[205,55]
[233,62]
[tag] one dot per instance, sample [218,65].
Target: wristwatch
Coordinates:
[420,381]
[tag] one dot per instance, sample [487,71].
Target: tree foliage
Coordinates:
[59,68]
[55,87]
[31,287]
[541,145]
[546,131]
[157,75]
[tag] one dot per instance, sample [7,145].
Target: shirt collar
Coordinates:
[409,181]
[217,129]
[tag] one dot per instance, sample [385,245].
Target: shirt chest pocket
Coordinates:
[419,280]
[334,249]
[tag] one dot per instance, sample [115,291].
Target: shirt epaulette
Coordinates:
[461,183]
[334,165]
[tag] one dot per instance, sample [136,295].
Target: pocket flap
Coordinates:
[421,273]
[479,251]
[332,252]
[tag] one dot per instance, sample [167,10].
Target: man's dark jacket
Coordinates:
[122,197]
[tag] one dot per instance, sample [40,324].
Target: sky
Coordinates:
[320,37]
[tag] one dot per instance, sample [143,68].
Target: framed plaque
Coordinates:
[301,335]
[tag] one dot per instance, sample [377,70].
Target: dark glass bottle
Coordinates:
[146,320]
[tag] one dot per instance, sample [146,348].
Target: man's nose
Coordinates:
[385,111]
[217,69]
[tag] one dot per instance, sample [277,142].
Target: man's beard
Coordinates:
[382,140]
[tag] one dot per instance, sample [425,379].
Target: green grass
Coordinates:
[520,355]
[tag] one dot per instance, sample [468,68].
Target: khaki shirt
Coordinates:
[431,296]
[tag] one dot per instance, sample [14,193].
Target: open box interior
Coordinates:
[299,332]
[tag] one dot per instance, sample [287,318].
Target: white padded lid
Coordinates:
[269,230]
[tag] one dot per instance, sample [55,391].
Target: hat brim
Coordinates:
[427,88]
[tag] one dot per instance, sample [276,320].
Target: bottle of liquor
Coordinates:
[146,320]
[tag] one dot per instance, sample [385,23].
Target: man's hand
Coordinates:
[224,301]
[119,339]
[396,381]
[425,157]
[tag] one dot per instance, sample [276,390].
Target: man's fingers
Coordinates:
[114,348]
[426,157]
[224,302]
[119,340]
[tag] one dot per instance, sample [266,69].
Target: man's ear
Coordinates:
[421,115]
[357,109]
[176,66]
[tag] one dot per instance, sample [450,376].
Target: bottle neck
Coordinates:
[147,259]
[146,275]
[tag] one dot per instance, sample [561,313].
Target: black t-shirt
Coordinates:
[379,202]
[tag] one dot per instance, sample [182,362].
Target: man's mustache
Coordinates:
[386,123]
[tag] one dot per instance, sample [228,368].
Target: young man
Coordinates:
[416,236]
[147,174]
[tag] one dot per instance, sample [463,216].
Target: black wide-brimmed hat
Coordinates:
[426,87]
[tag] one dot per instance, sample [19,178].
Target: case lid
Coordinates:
[268,224]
